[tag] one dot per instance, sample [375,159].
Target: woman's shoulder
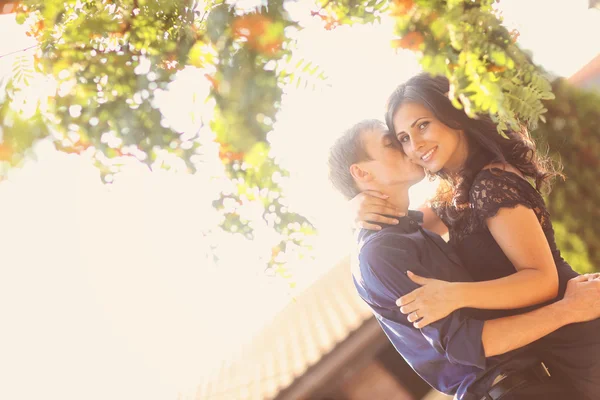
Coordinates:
[500,184]
[500,176]
[504,167]
[503,186]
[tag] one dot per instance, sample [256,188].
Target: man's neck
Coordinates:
[397,196]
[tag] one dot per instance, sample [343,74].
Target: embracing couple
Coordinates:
[495,313]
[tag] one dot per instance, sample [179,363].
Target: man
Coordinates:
[462,354]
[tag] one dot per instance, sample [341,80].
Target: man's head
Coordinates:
[368,157]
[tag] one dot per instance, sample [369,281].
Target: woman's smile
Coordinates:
[429,155]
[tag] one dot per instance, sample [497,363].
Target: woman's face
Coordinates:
[427,141]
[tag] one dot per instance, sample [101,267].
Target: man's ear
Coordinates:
[360,174]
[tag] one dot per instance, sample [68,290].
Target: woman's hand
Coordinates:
[434,300]
[370,207]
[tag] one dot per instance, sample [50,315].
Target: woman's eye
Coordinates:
[403,139]
[423,125]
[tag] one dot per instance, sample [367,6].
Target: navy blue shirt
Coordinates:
[448,354]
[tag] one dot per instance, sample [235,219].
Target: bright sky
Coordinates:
[108,294]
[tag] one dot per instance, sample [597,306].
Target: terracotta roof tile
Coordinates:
[591,71]
[298,337]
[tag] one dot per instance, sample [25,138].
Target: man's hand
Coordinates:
[369,208]
[580,304]
[582,298]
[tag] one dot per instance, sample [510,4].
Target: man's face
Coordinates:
[388,165]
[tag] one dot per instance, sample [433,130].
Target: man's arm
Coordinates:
[581,303]
[509,333]
[464,340]
[382,279]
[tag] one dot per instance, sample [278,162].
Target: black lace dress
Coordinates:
[572,352]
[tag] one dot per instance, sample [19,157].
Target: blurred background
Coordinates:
[128,277]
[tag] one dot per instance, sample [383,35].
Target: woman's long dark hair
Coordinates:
[485,144]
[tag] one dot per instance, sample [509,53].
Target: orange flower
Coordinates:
[8,8]
[432,17]
[514,35]
[6,152]
[228,156]
[399,8]
[170,62]
[77,148]
[35,30]
[331,23]
[255,29]
[411,41]
[275,251]
[250,26]
[213,81]
[269,47]
[495,68]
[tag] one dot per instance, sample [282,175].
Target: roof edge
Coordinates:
[369,334]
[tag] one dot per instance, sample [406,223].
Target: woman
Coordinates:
[496,219]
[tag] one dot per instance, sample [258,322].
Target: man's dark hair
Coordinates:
[348,150]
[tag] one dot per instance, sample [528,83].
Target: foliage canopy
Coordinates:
[109,62]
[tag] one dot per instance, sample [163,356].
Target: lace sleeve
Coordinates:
[492,191]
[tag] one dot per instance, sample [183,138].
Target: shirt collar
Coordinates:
[408,223]
[416,215]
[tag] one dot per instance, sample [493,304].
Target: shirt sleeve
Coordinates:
[383,265]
